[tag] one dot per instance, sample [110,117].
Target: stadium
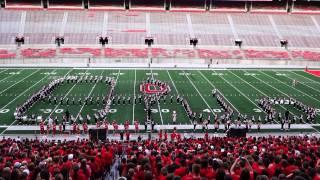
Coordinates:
[170,89]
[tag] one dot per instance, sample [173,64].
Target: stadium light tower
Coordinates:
[59,41]
[45,4]
[85,4]
[148,41]
[238,42]
[194,41]
[103,41]
[2,3]
[284,43]
[19,40]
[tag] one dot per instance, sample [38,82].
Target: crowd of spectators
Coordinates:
[295,157]
[32,159]
[223,158]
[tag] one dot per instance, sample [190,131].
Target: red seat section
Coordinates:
[305,55]
[220,54]
[95,52]
[266,54]
[6,54]
[125,52]
[173,53]
[38,53]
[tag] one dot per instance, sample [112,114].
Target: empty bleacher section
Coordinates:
[77,27]
[126,32]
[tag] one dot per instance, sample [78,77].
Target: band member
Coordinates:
[60,128]
[174,117]
[106,125]
[216,126]
[115,126]
[74,128]
[160,134]
[165,135]
[126,125]
[54,128]
[97,124]
[48,128]
[85,127]
[136,126]
[41,127]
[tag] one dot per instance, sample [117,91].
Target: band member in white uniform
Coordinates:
[174,117]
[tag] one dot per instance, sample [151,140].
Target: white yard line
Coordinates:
[19,81]
[198,92]
[290,86]
[304,84]
[3,71]
[134,94]
[93,87]
[159,108]
[19,96]
[218,90]
[9,76]
[241,93]
[64,95]
[174,85]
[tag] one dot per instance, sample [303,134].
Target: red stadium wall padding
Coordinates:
[114,53]
[96,52]
[266,54]
[38,53]
[7,54]
[305,55]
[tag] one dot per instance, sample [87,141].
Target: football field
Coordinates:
[241,88]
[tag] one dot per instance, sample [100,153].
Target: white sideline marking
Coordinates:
[158,102]
[19,96]
[200,94]
[188,126]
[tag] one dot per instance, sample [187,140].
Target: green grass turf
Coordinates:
[241,88]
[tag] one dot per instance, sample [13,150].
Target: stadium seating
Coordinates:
[95,52]
[294,157]
[125,52]
[38,53]
[6,54]
[266,54]
[220,54]
[305,55]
